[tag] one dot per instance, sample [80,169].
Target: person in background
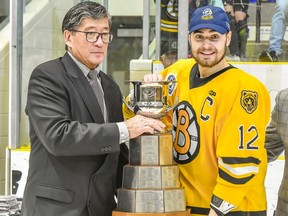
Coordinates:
[169,29]
[194,4]
[218,124]
[237,11]
[276,142]
[77,146]
[168,53]
[278,29]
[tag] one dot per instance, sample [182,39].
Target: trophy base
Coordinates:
[184,213]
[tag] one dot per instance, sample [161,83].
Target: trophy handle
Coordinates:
[168,108]
[135,108]
[159,115]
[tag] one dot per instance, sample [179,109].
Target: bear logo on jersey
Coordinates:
[172,85]
[186,140]
[249,101]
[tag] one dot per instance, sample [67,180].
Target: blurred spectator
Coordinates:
[278,29]
[168,53]
[238,17]
[193,4]
[169,23]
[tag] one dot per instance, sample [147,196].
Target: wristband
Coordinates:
[221,207]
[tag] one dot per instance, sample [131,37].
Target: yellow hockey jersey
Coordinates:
[218,130]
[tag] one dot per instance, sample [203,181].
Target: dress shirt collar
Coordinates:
[83,67]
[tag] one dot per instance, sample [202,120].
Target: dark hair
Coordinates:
[87,9]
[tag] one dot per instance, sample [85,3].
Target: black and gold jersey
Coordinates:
[218,131]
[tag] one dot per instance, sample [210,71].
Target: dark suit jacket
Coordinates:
[276,142]
[73,161]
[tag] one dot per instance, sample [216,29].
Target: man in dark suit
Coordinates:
[77,150]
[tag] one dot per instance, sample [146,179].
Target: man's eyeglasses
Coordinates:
[93,37]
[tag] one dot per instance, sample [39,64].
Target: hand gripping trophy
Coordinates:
[151,183]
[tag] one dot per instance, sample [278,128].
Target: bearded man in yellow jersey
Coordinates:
[218,125]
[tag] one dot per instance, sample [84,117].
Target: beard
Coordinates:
[210,62]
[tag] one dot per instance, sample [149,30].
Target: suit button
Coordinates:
[88,203]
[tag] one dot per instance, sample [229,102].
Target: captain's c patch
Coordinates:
[249,101]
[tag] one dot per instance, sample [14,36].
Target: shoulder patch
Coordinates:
[172,86]
[249,101]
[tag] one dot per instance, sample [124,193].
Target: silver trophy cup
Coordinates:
[149,98]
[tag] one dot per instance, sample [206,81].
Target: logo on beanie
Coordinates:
[207,14]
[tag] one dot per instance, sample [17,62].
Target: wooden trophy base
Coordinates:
[185,213]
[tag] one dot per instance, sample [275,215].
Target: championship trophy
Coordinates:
[151,183]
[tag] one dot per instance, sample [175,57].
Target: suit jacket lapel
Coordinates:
[81,84]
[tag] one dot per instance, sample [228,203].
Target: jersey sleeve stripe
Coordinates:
[238,160]
[243,170]
[237,181]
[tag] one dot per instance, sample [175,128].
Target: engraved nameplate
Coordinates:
[149,150]
[153,149]
[170,176]
[174,200]
[165,149]
[150,177]
[151,201]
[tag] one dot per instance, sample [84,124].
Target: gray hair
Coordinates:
[87,9]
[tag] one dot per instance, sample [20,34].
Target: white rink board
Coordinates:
[273,75]
[272,183]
